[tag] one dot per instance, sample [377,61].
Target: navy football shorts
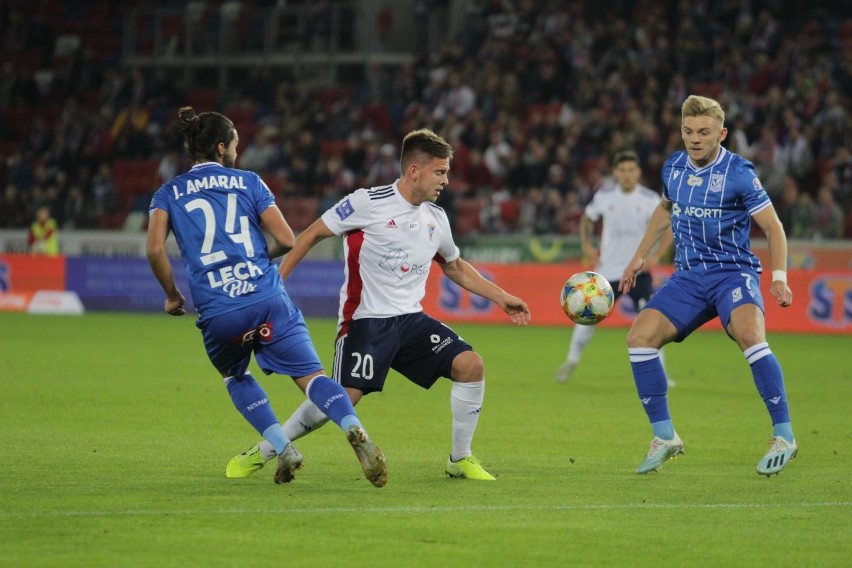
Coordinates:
[417,346]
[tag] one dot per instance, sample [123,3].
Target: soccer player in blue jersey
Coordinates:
[709,197]
[218,214]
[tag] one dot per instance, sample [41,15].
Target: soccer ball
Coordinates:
[587,298]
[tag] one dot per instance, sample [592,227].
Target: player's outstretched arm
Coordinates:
[158,258]
[465,275]
[304,243]
[767,219]
[273,221]
[661,220]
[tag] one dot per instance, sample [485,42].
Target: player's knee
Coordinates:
[354,395]
[637,338]
[468,367]
[750,338]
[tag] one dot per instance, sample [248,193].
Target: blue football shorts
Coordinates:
[417,346]
[273,329]
[691,298]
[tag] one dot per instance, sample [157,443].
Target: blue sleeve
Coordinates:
[753,195]
[665,173]
[263,196]
[160,200]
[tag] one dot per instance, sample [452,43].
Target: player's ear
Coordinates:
[723,134]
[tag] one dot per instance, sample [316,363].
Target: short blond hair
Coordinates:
[695,105]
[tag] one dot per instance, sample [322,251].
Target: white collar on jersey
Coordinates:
[204,165]
[722,153]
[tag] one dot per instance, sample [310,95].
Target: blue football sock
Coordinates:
[663,429]
[332,399]
[783,429]
[769,381]
[251,400]
[651,384]
[275,436]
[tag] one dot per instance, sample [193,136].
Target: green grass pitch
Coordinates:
[115,429]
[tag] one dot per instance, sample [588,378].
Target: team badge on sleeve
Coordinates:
[344,209]
[756,183]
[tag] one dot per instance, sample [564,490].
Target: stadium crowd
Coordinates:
[535,96]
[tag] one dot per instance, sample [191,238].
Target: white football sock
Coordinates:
[465,403]
[305,419]
[581,335]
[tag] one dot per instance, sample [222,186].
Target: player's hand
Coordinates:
[782,293]
[516,309]
[628,277]
[174,307]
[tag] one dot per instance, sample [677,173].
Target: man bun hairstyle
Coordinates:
[695,105]
[421,145]
[203,132]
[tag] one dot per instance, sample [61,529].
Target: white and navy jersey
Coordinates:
[711,210]
[389,245]
[214,213]
[625,216]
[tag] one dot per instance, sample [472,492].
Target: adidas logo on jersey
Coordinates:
[391,224]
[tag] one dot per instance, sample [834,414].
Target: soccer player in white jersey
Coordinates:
[391,236]
[624,210]
[217,214]
[710,196]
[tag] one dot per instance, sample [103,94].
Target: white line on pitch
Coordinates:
[419,509]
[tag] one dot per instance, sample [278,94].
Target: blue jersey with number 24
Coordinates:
[214,214]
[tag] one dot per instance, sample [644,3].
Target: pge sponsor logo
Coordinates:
[396,262]
[831,301]
[453,298]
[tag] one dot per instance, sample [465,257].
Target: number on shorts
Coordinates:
[363,366]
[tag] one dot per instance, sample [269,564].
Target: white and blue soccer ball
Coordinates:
[587,298]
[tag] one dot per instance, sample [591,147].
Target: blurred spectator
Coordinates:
[785,203]
[76,213]
[259,155]
[44,234]
[385,168]
[171,164]
[104,193]
[803,217]
[828,216]
[532,94]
